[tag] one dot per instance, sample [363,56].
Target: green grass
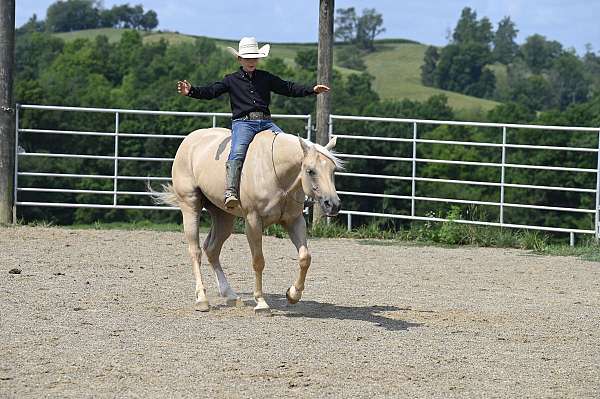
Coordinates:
[395,65]
[397,71]
[588,250]
[113,35]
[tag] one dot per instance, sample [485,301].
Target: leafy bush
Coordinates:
[451,232]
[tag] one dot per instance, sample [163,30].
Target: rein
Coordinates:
[294,184]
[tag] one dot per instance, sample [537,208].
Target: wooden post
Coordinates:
[324,71]
[7,110]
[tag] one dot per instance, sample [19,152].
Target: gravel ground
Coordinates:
[110,314]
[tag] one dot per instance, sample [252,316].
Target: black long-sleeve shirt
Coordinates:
[250,93]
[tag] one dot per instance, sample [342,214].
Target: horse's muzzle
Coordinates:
[330,206]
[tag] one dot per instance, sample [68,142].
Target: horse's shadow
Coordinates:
[323,310]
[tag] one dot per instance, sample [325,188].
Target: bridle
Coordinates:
[297,181]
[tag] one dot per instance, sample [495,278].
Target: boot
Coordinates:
[233,174]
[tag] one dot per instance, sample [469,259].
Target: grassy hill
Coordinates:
[395,65]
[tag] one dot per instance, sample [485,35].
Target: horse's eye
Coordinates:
[310,172]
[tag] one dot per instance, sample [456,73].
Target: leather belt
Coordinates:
[253,116]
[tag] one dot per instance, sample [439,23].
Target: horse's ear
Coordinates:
[305,147]
[331,143]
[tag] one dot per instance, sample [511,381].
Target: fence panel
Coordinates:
[509,159]
[413,146]
[116,157]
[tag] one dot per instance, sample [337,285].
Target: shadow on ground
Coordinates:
[379,316]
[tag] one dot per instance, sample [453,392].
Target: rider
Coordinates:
[249,94]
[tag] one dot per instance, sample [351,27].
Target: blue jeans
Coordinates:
[242,133]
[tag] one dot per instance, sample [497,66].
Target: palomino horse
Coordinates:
[278,172]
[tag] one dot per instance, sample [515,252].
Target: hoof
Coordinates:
[202,306]
[234,302]
[289,298]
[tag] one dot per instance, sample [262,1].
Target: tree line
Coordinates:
[540,73]
[73,15]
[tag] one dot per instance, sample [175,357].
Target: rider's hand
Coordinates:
[184,87]
[321,89]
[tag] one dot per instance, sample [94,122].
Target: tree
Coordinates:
[369,26]
[461,68]
[307,59]
[591,64]
[539,53]
[429,64]
[533,92]
[568,80]
[32,25]
[36,52]
[461,65]
[469,29]
[348,56]
[350,28]
[149,20]
[136,16]
[346,23]
[70,15]
[108,19]
[505,48]
[511,113]
[126,16]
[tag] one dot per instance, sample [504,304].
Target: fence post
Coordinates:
[414,171]
[309,127]
[214,120]
[502,175]
[116,159]
[572,239]
[7,105]
[349,222]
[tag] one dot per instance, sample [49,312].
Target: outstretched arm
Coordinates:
[292,89]
[214,90]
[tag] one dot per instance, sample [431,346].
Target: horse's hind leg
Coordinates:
[191,206]
[221,229]
[297,232]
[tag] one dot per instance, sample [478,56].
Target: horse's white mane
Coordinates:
[339,164]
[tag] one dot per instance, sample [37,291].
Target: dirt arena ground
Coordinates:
[110,314]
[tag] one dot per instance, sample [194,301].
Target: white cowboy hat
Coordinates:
[248,48]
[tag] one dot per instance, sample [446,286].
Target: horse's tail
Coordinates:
[166,197]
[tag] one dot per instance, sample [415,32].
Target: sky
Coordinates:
[574,23]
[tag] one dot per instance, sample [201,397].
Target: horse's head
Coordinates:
[317,174]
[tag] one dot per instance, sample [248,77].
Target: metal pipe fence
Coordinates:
[115,157]
[416,143]
[503,146]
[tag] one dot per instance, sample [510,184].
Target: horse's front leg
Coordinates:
[254,236]
[297,232]
[190,228]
